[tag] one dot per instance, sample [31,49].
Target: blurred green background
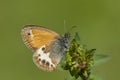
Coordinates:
[98,24]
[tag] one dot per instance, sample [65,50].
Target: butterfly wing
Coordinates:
[35,36]
[47,45]
[50,59]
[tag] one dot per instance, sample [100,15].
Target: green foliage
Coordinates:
[79,60]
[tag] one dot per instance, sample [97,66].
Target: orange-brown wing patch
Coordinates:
[35,36]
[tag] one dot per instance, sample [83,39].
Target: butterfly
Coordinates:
[47,45]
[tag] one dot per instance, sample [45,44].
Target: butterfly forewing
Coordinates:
[35,36]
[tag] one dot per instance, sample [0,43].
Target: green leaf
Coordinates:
[100,58]
[77,37]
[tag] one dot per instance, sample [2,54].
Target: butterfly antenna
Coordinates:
[65,25]
[67,32]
